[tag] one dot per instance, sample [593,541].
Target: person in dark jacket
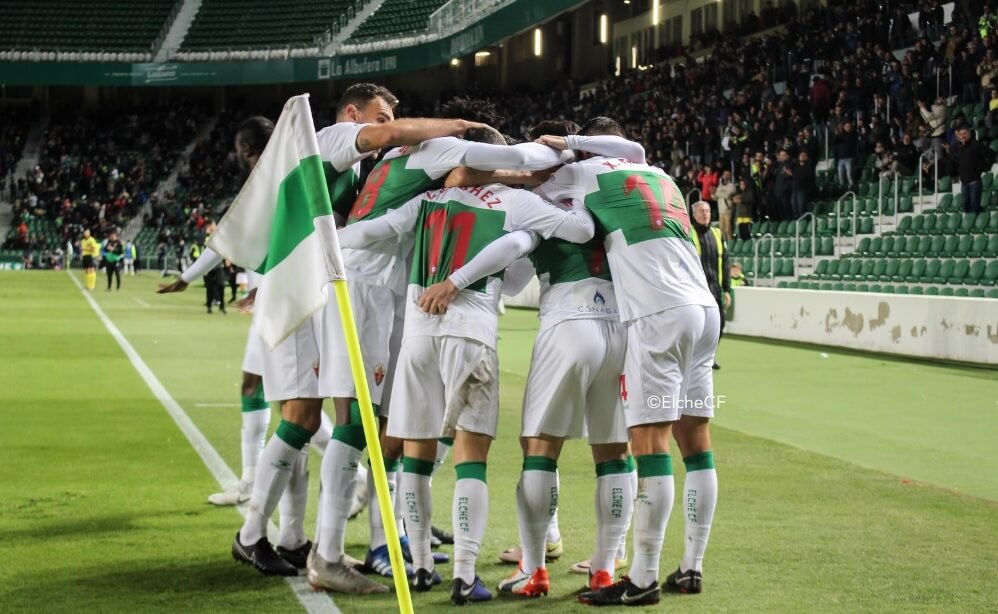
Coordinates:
[802,184]
[971,159]
[844,147]
[745,207]
[716,267]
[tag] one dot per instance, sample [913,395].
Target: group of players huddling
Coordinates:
[443,224]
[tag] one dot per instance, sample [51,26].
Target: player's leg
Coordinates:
[290,377]
[658,349]
[692,433]
[470,373]
[117,276]
[607,429]
[253,436]
[109,269]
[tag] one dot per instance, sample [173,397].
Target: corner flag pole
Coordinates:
[373,446]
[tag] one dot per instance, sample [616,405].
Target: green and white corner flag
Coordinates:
[281,226]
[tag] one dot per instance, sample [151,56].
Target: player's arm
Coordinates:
[495,257]
[570,220]
[464,177]
[208,260]
[517,276]
[393,225]
[522,157]
[602,145]
[373,137]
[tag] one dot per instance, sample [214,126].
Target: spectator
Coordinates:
[724,193]
[745,207]
[971,159]
[844,148]
[803,184]
[783,184]
[707,178]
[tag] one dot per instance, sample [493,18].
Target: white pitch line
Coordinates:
[141,302]
[217,405]
[313,602]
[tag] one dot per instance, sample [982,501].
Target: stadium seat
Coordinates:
[931,271]
[879,269]
[977,293]
[992,293]
[862,287]
[901,289]
[893,265]
[990,276]
[961,292]
[946,291]
[869,265]
[887,289]
[904,270]
[945,271]
[915,290]
[875,288]
[932,291]
[911,224]
[960,269]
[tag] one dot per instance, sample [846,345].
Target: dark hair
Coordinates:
[471,109]
[554,127]
[255,132]
[361,94]
[602,126]
[510,140]
[490,136]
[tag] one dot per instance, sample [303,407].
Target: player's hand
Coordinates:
[727,300]
[437,297]
[178,286]
[535,178]
[466,125]
[556,142]
[245,304]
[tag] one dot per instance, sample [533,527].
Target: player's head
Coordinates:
[209,226]
[86,234]
[113,236]
[251,139]
[487,135]
[366,103]
[701,213]
[600,126]
[472,110]
[554,127]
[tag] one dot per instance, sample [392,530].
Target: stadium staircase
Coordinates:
[340,33]
[178,29]
[28,161]
[133,231]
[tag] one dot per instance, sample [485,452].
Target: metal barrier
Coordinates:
[814,235]
[458,12]
[772,257]
[838,218]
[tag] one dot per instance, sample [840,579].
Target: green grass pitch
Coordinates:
[852,483]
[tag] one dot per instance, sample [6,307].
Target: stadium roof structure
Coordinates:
[248,42]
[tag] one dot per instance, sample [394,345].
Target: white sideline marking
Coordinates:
[217,405]
[312,602]
[141,302]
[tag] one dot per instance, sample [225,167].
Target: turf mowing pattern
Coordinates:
[848,483]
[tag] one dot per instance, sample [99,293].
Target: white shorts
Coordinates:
[253,354]
[242,278]
[574,378]
[374,315]
[668,366]
[394,345]
[291,370]
[444,384]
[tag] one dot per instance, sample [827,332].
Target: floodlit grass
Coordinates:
[852,483]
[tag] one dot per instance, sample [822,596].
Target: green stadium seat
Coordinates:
[949,245]
[864,246]
[866,226]
[946,291]
[945,185]
[904,270]
[945,271]
[869,264]
[931,271]
[910,224]
[991,251]
[893,265]
[990,276]
[992,221]
[877,246]
[961,292]
[931,224]
[901,289]
[945,203]
[826,247]
[932,291]
[805,247]
[960,270]
[953,221]
[825,286]
[992,293]
[977,293]
[854,270]
[887,289]
[862,287]
[981,222]
[905,205]
[978,246]
[875,288]
[967,223]
[831,271]
[820,270]
[879,269]
[916,290]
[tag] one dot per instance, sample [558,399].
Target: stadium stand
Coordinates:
[96,170]
[104,27]
[259,24]
[396,17]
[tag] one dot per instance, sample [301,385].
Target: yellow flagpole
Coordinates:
[373,446]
